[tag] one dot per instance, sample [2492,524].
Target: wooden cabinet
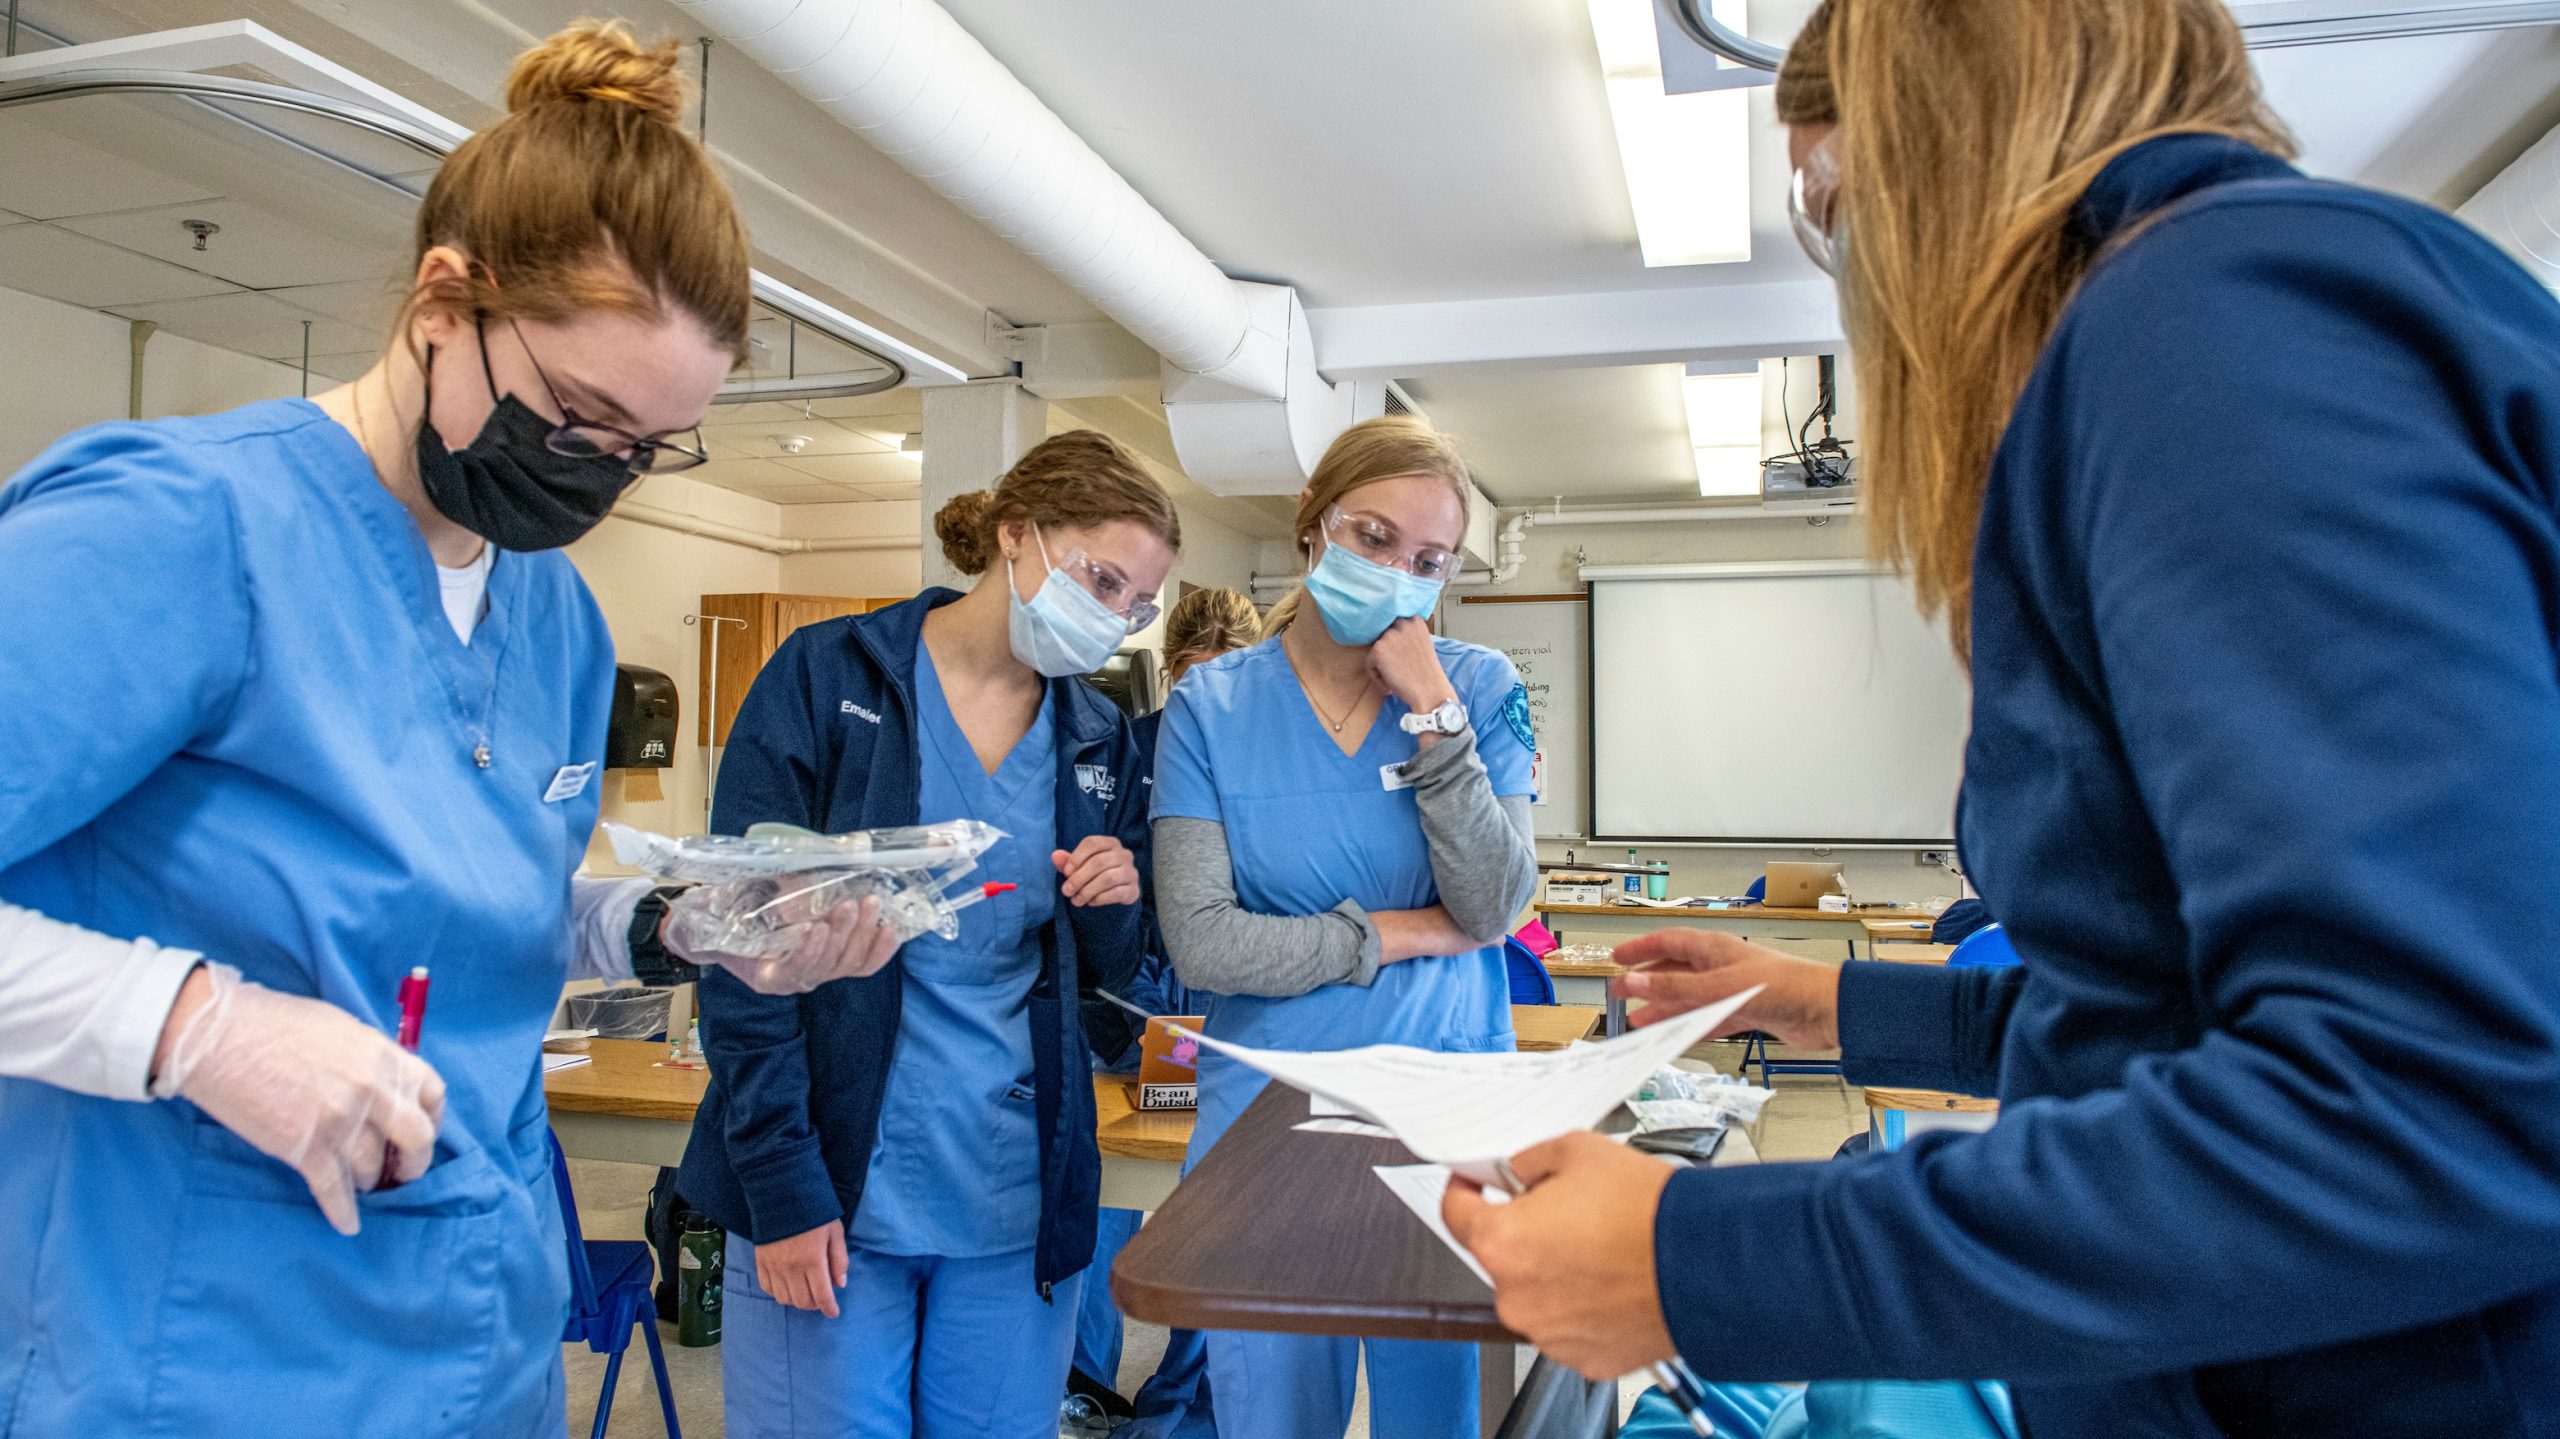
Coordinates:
[767,620]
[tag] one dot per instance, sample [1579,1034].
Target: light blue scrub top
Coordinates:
[1308,827]
[234,719]
[956,1168]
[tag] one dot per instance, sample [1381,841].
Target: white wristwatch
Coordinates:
[1449,718]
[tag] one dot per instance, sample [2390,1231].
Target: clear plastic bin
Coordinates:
[633,1013]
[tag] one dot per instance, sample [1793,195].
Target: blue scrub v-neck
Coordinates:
[955,1170]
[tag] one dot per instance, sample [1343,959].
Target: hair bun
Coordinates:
[599,61]
[965,529]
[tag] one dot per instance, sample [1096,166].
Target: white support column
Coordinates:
[972,434]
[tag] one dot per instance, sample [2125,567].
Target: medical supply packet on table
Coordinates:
[756,894]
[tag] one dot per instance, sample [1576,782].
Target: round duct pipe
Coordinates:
[2520,210]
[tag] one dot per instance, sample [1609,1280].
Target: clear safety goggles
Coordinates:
[1813,202]
[1105,583]
[1377,541]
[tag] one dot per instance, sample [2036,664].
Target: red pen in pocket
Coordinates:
[413,1008]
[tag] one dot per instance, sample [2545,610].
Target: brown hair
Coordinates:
[1205,624]
[1967,134]
[1381,449]
[587,197]
[1070,481]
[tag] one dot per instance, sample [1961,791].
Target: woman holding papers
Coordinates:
[906,1163]
[1342,839]
[2239,490]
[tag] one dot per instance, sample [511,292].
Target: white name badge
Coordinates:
[1391,776]
[569,783]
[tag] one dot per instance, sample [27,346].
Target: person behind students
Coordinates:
[905,1163]
[2241,491]
[1174,1401]
[1342,840]
[301,696]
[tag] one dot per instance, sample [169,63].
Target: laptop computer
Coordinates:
[1802,886]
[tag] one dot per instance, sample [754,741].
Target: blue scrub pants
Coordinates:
[1297,1386]
[924,1346]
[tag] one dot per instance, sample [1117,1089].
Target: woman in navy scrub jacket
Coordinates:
[295,698]
[905,1163]
[2239,490]
[1342,839]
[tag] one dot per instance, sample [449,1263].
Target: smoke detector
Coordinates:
[790,444]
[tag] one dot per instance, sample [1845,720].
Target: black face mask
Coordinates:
[507,486]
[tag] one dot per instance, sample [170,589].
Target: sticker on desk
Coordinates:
[1393,777]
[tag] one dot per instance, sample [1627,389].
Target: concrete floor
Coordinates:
[1806,1121]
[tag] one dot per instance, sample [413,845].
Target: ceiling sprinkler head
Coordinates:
[791,444]
[203,230]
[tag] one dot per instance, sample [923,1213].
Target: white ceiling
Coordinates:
[1422,152]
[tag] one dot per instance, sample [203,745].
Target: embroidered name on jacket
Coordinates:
[849,707]
[1097,781]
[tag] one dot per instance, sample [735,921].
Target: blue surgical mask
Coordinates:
[1359,599]
[1063,630]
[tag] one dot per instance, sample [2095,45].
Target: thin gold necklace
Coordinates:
[1310,692]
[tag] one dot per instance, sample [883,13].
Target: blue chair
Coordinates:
[609,1292]
[1986,948]
[1759,891]
[1530,982]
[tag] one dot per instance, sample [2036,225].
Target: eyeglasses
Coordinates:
[1813,199]
[580,438]
[1376,541]
[1104,583]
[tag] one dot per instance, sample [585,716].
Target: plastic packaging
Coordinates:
[756,895]
[624,1013]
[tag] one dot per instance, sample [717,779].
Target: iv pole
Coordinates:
[711,706]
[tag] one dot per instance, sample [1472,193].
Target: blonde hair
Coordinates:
[587,196]
[1070,481]
[1205,624]
[1967,133]
[1385,448]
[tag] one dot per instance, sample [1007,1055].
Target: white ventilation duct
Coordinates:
[1248,411]
[2521,210]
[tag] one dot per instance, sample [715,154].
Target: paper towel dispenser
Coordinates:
[642,732]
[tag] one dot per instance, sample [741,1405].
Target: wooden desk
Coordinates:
[1812,928]
[1911,953]
[624,1108]
[1552,1026]
[1893,1115]
[1886,931]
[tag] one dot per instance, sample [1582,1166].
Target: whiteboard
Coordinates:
[1791,703]
[1547,638]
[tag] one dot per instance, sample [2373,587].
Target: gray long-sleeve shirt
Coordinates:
[1483,864]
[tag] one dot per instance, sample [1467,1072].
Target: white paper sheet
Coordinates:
[1420,1187]
[552,1063]
[1469,1111]
[1333,1125]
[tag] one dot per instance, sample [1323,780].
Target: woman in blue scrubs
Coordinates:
[1342,840]
[1174,1401]
[906,1163]
[2241,492]
[298,697]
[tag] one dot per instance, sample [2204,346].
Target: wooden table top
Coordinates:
[1930,1099]
[625,1081]
[1290,1233]
[1552,1026]
[1913,953]
[1583,968]
[1737,911]
[1893,929]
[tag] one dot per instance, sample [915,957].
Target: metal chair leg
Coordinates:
[658,1361]
[604,1400]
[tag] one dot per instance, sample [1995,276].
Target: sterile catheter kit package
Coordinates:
[756,894]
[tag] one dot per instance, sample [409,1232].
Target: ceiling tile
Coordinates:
[343,368]
[875,470]
[805,494]
[255,247]
[369,305]
[11,217]
[77,270]
[906,406]
[46,173]
[760,439]
[250,324]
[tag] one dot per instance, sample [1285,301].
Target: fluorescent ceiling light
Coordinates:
[911,445]
[1687,158]
[1724,431]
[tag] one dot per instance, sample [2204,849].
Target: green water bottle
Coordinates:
[701,1255]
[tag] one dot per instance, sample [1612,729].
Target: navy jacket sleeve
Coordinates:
[755,1043]
[2312,502]
[1925,1026]
[1111,938]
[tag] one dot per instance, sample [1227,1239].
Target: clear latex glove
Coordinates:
[848,941]
[309,1084]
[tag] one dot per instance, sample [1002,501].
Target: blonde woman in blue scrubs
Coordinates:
[1341,842]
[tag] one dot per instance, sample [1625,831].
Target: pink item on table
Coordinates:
[1537,938]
